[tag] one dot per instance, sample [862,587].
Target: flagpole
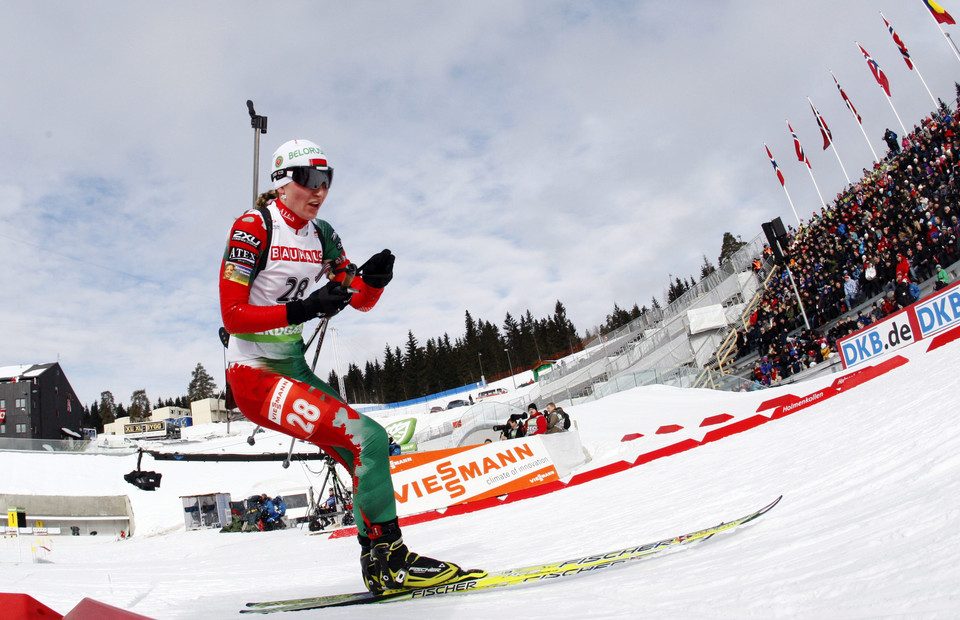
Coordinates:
[946,36]
[783,184]
[857,117]
[890,101]
[822,201]
[807,162]
[936,104]
[953,45]
[876,69]
[833,145]
[793,208]
[911,63]
[875,158]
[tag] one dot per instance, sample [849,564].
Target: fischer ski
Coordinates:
[509,577]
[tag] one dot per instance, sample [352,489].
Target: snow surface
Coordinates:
[869,525]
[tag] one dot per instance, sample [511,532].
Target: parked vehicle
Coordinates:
[457,403]
[489,393]
[436,409]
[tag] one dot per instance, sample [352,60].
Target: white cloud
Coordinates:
[510,153]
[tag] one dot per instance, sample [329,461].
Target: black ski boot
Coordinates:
[367,566]
[390,565]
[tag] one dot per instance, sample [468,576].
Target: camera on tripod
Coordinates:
[337,507]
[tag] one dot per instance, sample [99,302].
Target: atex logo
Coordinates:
[244,257]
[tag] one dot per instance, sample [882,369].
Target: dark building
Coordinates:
[37,402]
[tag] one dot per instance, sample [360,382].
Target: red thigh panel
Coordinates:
[292,407]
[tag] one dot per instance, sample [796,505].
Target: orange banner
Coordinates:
[430,480]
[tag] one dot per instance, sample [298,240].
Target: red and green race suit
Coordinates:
[271,382]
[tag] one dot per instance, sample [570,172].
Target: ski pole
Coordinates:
[323,332]
[322,326]
[259,124]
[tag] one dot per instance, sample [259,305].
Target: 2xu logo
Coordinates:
[872,342]
[245,237]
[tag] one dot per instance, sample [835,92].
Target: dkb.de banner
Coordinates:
[926,318]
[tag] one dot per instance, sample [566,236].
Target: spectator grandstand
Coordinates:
[887,232]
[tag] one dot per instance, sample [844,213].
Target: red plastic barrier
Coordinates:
[669,428]
[716,419]
[89,609]
[24,607]
[944,338]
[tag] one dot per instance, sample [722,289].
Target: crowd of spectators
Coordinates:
[897,226]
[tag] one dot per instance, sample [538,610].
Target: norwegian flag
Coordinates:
[899,42]
[847,99]
[776,168]
[877,72]
[801,156]
[824,130]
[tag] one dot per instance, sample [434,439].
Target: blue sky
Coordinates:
[510,154]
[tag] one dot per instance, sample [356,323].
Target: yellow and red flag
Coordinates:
[939,13]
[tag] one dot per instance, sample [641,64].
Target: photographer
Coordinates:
[536,423]
[330,505]
[395,449]
[513,428]
[271,515]
[557,419]
[251,515]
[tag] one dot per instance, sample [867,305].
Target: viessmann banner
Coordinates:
[923,319]
[430,480]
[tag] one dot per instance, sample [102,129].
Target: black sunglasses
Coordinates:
[307,176]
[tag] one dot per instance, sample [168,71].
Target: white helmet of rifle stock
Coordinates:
[300,161]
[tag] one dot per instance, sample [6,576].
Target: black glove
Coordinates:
[378,270]
[324,302]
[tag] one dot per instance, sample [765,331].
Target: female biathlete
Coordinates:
[276,258]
